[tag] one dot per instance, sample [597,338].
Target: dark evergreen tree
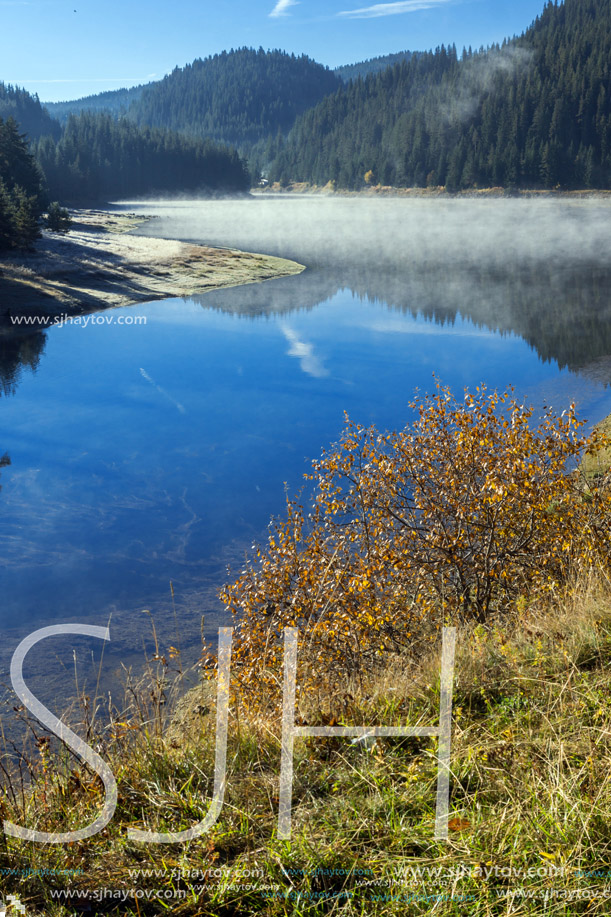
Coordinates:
[18,166]
[58,218]
[21,191]
[7,219]
[26,219]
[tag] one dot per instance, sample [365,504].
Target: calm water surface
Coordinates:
[155,453]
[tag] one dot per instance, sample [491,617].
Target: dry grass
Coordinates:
[436,191]
[598,465]
[531,789]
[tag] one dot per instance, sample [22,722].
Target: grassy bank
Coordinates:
[100,264]
[530,800]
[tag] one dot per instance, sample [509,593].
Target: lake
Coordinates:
[150,454]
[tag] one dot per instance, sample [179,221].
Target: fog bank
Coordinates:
[322,231]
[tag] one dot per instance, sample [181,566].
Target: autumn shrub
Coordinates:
[475,507]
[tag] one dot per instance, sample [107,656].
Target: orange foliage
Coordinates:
[449,520]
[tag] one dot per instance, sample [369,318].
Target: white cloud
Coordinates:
[390,9]
[309,362]
[282,7]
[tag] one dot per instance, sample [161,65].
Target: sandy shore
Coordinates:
[100,265]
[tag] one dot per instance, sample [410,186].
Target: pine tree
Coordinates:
[58,218]
[7,219]
[21,194]
[27,219]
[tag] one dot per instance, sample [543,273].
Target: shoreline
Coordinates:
[304,188]
[101,265]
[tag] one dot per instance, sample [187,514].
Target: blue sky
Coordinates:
[64,49]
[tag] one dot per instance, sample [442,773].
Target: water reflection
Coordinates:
[563,312]
[5,460]
[18,351]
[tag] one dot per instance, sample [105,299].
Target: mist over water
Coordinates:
[321,231]
[539,268]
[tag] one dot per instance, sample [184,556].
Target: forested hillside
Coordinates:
[245,98]
[98,158]
[372,65]
[117,101]
[237,97]
[535,111]
[95,157]
[32,118]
